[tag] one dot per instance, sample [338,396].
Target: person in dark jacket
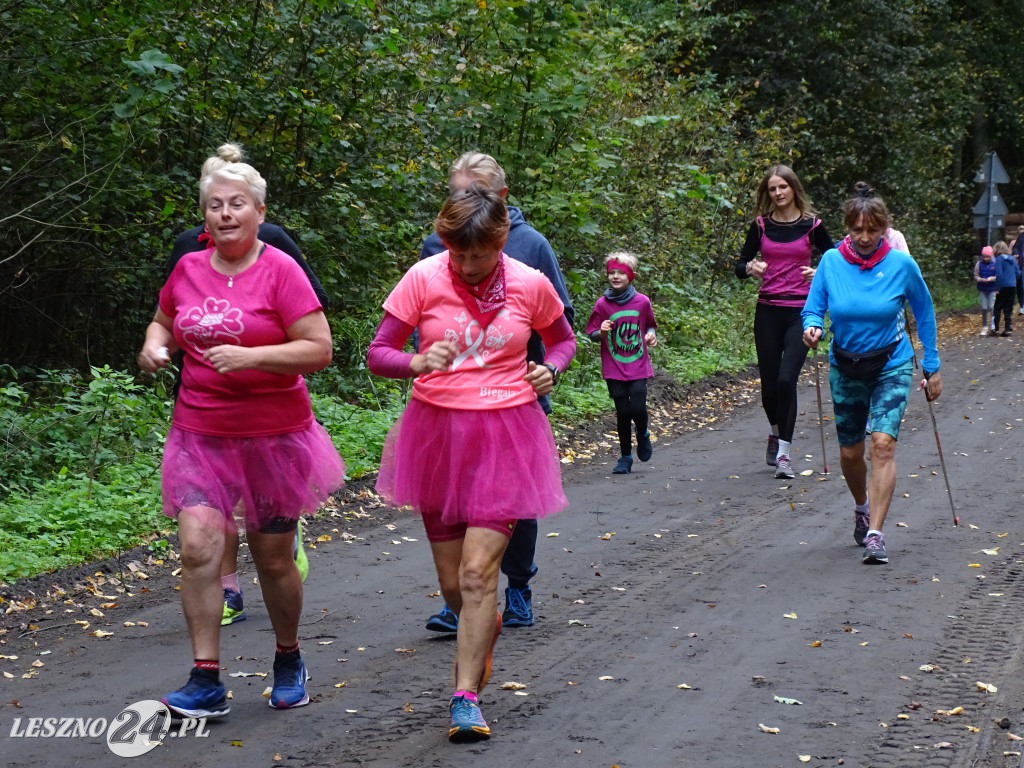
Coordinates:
[527,245]
[1007,273]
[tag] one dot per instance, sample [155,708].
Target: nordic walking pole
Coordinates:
[942,461]
[821,413]
[938,445]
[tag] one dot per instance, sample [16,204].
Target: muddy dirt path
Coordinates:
[674,605]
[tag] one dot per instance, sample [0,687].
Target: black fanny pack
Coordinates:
[862,365]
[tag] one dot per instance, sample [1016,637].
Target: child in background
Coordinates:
[623,322]
[985,277]
[1006,285]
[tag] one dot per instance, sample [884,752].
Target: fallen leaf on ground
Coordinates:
[902,525]
[974,565]
[969,525]
[807,472]
[685,687]
[606,677]
[930,667]
[765,729]
[815,644]
[512,686]
[973,729]
[804,758]
[789,615]
[324,642]
[1013,737]
[902,717]
[986,687]
[552,535]
[405,650]
[784,700]
[945,745]
[993,551]
[101,633]
[954,711]
[342,684]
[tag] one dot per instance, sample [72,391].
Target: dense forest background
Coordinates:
[621,123]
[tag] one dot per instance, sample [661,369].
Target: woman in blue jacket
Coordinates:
[865,286]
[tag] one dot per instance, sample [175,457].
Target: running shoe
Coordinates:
[299,553]
[644,449]
[202,696]
[290,678]
[234,610]
[468,722]
[772,451]
[624,467]
[874,550]
[783,468]
[518,608]
[1006,333]
[444,620]
[861,523]
[984,331]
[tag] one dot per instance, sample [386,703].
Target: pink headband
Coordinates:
[613,264]
[987,251]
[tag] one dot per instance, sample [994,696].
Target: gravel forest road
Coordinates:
[676,606]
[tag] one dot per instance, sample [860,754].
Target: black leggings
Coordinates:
[1004,306]
[778,337]
[630,408]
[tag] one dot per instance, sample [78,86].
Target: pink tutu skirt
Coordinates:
[275,478]
[472,466]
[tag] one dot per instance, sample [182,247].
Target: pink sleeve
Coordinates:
[559,343]
[650,316]
[385,356]
[295,297]
[405,302]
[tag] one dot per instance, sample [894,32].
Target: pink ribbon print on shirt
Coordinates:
[214,323]
[473,337]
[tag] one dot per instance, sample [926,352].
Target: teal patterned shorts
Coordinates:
[883,399]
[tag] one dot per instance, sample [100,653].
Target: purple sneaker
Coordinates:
[772,451]
[861,524]
[874,550]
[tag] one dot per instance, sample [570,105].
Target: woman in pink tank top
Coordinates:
[778,252]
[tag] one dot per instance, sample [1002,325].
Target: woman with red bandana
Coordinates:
[473,452]
[865,285]
[784,234]
[243,433]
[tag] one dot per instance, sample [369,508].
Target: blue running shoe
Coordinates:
[290,678]
[468,723]
[444,620]
[234,610]
[202,696]
[874,550]
[644,449]
[624,467]
[518,607]
[299,553]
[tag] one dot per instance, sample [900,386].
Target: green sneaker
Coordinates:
[234,610]
[300,553]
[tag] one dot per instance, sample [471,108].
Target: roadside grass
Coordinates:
[80,456]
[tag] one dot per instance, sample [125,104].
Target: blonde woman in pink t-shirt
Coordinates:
[473,452]
[243,434]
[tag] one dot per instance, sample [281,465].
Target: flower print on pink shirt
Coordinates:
[214,323]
